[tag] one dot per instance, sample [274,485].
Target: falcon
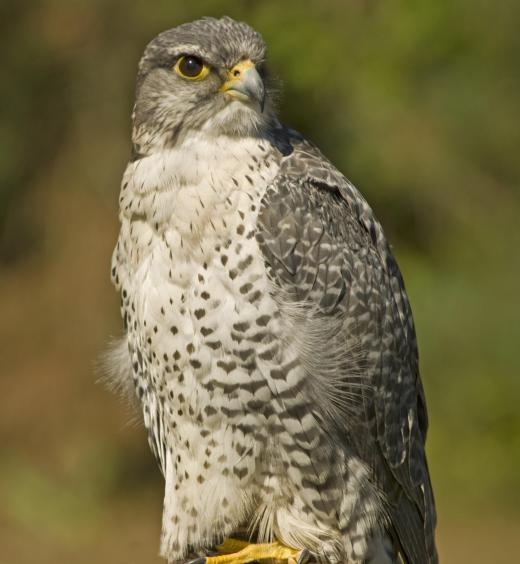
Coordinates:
[268,334]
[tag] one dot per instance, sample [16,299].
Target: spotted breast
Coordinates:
[201,325]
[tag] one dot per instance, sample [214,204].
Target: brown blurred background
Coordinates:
[418,103]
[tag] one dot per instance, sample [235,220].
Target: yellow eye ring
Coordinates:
[191,67]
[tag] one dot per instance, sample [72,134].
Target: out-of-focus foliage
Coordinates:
[418,103]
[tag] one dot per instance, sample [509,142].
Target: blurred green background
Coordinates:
[417,102]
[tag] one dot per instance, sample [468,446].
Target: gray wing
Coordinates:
[326,252]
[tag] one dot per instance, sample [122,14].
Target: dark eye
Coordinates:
[191,67]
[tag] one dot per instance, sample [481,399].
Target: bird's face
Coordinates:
[206,75]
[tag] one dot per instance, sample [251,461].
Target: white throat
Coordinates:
[192,191]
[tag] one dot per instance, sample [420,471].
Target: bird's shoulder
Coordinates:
[309,191]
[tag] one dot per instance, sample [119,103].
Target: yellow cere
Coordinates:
[236,74]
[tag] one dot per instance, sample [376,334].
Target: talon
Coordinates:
[231,545]
[234,551]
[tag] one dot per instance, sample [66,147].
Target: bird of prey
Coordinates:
[268,334]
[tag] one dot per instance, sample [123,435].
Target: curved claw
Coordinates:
[305,557]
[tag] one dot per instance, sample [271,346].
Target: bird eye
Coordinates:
[191,67]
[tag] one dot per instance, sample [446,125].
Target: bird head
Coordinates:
[205,75]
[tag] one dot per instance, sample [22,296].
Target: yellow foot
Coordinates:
[234,551]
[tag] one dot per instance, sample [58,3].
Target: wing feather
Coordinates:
[325,249]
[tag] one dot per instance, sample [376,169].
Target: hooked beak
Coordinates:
[244,83]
